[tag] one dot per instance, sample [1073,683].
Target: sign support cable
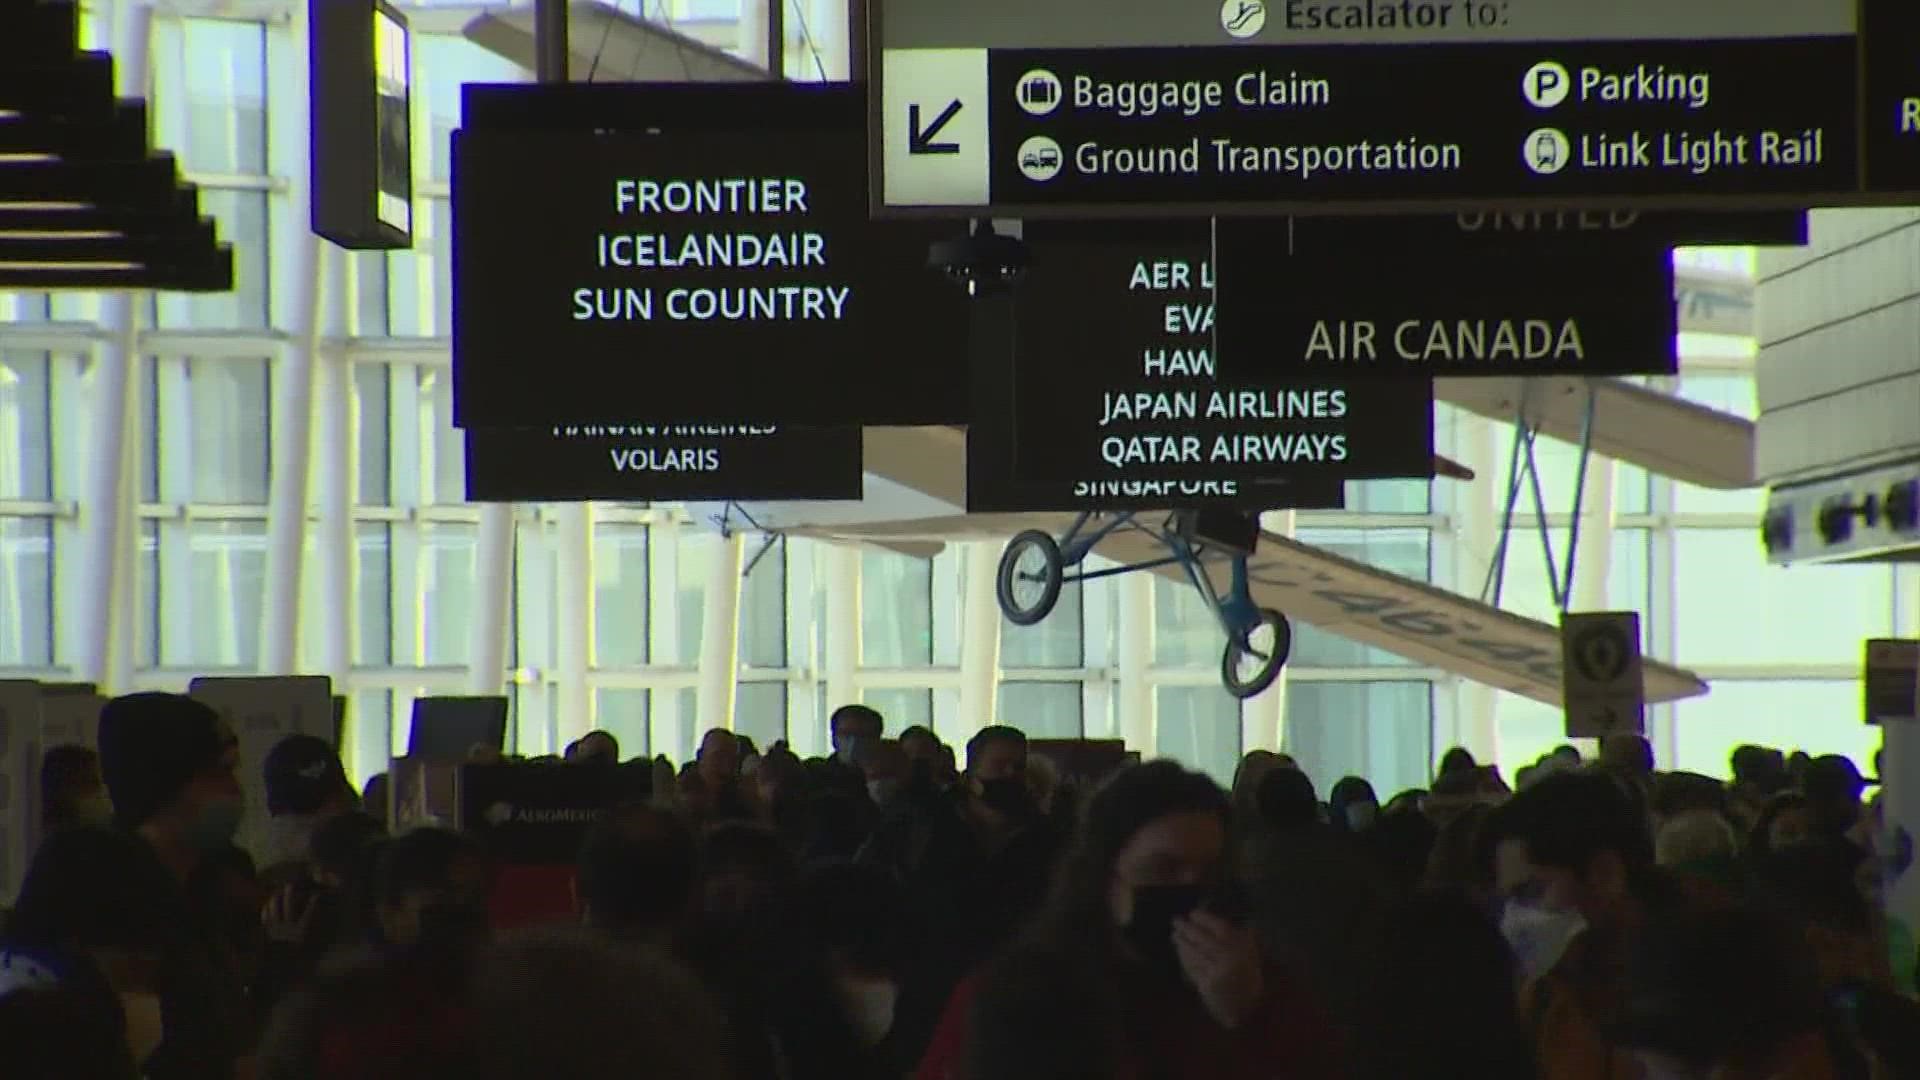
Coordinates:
[1522,467]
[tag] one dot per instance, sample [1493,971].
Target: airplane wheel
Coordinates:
[1031,574]
[1248,671]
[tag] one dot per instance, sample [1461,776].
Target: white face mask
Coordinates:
[1537,936]
[870,1007]
[144,1029]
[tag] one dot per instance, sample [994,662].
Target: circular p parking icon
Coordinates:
[1546,84]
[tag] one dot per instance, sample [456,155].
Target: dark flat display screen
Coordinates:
[725,266]
[1490,313]
[637,463]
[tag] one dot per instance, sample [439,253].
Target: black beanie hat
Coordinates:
[151,746]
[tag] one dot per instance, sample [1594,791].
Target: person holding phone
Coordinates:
[1143,964]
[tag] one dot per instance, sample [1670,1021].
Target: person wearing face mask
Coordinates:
[1140,966]
[170,763]
[1353,806]
[854,916]
[87,930]
[852,724]
[1574,863]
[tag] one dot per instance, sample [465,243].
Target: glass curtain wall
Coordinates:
[818,624]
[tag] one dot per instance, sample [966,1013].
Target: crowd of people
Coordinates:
[899,910]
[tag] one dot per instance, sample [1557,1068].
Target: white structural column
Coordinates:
[1476,536]
[1263,719]
[842,661]
[720,634]
[1593,557]
[1135,707]
[125,605]
[979,638]
[334,548]
[573,620]
[100,637]
[293,410]
[492,599]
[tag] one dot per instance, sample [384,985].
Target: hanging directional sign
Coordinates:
[1427,236]
[1602,680]
[1078,479]
[1890,681]
[667,252]
[1488,313]
[1322,106]
[1112,382]
[642,463]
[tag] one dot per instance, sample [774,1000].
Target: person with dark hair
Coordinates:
[563,1005]
[636,876]
[919,742]
[855,916]
[1758,775]
[1286,800]
[1567,755]
[1141,964]
[849,725]
[1439,998]
[1575,862]
[1628,753]
[1316,895]
[594,748]
[1784,821]
[170,765]
[1461,861]
[88,940]
[375,800]
[306,785]
[715,795]
[393,1006]
[1352,807]
[71,789]
[428,897]
[1457,759]
[769,973]
[306,922]
[1729,993]
[1253,768]
[1833,787]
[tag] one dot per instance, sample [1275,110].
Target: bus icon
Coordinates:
[1040,159]
[1038,92]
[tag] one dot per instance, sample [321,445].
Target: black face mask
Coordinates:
[1150,929]
[1009,798]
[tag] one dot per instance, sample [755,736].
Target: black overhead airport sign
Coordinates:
[649,463]
[1495,312]
[666,252]
[1333,106]
[1113,386]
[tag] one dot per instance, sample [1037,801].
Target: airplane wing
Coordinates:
[1663,434]
[1410,618]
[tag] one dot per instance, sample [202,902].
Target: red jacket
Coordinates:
[1290,1038]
